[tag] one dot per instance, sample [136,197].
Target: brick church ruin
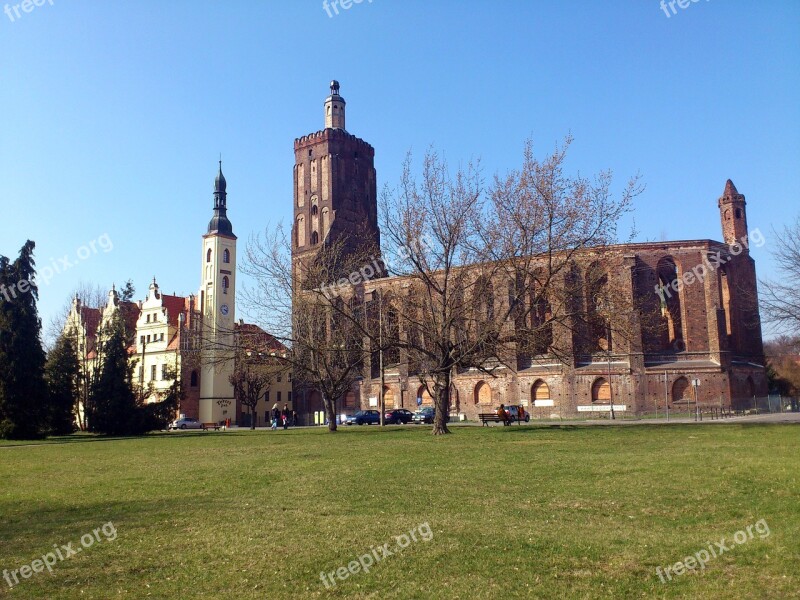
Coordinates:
[701,295]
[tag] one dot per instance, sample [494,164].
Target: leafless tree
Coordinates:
[257,364]
[781,298]
[492,274]
[313,308]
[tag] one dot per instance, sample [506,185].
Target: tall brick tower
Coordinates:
[737,281]
[334,187]
[733,215]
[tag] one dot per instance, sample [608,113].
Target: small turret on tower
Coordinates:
[732,214]
[334,108]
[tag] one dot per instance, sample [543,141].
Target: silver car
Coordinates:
[186,423]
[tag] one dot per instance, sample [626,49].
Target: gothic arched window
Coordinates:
[225,284]
[226,256]
[208,255]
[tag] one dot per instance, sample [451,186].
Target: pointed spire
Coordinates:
[730,189]
[219,222]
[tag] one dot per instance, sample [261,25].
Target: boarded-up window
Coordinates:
[426,397]
[540,391]
[601,391]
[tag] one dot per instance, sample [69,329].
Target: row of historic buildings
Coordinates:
[702,294]
[186,336]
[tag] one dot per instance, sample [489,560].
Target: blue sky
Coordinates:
[114,114]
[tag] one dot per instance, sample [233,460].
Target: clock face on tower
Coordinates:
[224,310]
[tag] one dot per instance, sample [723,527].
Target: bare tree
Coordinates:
[314,307]
[495,274]
[257,365]
[781,298]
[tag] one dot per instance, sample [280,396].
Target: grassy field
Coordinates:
[548,512]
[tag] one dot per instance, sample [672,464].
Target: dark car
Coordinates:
[363,416]
[398,416]
[426,415]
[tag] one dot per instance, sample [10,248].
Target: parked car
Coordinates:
[398,416]
[426,415]
[186,423]
[514,411]
[363,416]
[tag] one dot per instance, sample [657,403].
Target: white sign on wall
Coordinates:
[373,401]
[545,403]
[600,408]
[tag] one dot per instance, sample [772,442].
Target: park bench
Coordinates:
[214,426]
[486,418]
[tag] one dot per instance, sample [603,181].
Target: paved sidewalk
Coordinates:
[767,418]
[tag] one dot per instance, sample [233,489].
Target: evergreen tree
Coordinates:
[23,391]
[61,373]
[113,400]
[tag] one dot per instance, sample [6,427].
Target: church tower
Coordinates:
[334,187]
[218,305]
[733,214]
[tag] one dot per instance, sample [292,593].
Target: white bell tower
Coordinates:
[218,306]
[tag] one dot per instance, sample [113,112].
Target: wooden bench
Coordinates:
[214,426]
[486,418]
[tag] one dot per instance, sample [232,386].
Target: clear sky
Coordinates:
[113,114]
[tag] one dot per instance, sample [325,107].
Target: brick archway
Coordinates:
[601,391]
[483,393]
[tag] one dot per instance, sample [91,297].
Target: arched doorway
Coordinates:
[601,391]
[483,393]
[681,391]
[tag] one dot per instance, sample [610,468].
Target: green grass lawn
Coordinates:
[549,512]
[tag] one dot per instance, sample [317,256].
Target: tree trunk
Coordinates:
[442,404]
[252,419]
[330,413]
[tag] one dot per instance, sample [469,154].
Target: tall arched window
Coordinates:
[225,284]
[326,222]
[226,256]
[670,299]
[301,230]
[208,255]
[597,308]
[601,391]
[314,238]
